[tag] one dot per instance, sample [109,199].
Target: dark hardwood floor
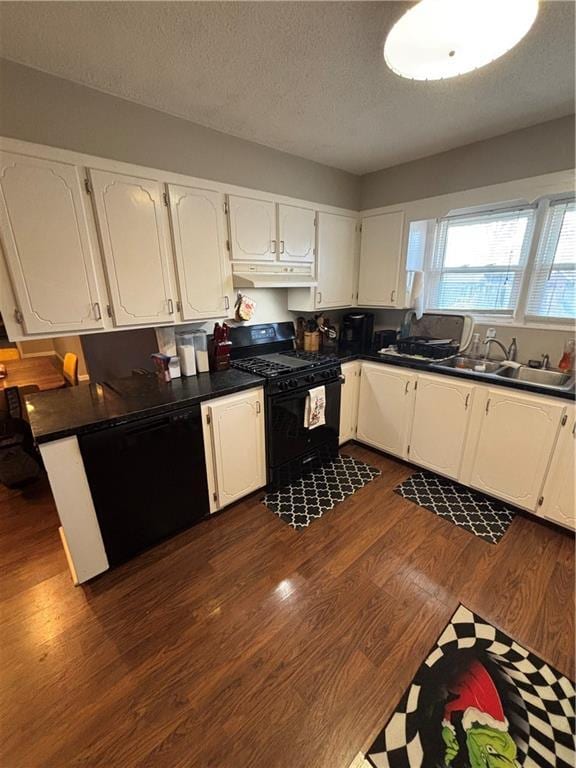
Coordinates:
[242,643]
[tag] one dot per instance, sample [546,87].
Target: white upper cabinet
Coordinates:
[385,407]
[337,238]
[440,424]
[517,435]
[203,268]
[45,236]
[296,233]
[133,228]
[558,503]
[380,260]
[252,229]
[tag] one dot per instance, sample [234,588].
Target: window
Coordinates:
[552,293]
[479,260]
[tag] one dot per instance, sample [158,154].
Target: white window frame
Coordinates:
[519,318]
[523,315]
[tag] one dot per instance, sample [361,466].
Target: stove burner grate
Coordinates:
[260,366]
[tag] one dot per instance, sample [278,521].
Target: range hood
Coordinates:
[273,276]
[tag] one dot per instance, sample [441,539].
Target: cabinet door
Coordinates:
[199,231]
[252,229]
[296,233]
[44,231]
[558,503]
[133,227]
[336,259]
[516,438]
[349,401]
[380,259]
[440,424]
[237,428]
[385,407]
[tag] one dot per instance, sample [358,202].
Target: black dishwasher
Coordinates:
[147,479]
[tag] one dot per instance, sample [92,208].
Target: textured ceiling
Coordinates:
[305,77]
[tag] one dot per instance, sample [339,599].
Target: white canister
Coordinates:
[186,353]
[201,347]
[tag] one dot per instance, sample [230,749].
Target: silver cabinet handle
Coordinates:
[273,246]
[342,378]
[574,429]
[258,408]
[487,406]
[226,302]
[392,296]
[170,307]
[281,246]
[319,297]
[467,401]
[407,388]
[97,312]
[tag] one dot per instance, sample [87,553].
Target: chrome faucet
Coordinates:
[545,361]
[492,340]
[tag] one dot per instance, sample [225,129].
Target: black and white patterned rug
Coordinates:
[485,517]
[480,700]
[307,499]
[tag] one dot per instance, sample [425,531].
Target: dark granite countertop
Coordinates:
[460,373]
[76,410]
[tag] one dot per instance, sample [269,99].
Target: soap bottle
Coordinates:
[513,349]
[567,361]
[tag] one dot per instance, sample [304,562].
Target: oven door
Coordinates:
[287,437]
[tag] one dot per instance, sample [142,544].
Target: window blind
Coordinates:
[479,260]
[552,293]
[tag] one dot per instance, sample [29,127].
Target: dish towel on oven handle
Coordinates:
[315,409]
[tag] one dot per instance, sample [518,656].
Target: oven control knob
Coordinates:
[283,385]
[292,383]
[310,378]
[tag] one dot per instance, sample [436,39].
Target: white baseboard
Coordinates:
[38,354]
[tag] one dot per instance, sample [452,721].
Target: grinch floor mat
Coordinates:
[484,517]
[480,700]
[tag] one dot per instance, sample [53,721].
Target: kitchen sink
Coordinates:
[469,363]
[540,376]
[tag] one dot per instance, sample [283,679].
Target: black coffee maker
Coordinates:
[356,331]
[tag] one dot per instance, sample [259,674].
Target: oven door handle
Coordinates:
[279,397]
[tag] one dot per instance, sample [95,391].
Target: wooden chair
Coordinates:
[9,353]
[70,369]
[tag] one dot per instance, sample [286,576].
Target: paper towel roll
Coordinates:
[417,297]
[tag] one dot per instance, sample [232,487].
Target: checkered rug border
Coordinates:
[540,701]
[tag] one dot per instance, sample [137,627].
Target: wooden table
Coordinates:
[40,371]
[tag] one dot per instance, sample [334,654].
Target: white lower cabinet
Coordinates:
[517,447]
[385,407]
[557,500]
[440,424]
[349,400]
[517,435]
[234,444]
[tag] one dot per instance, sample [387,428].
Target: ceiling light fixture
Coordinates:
[438,39]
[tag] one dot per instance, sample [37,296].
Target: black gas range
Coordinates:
[292,449]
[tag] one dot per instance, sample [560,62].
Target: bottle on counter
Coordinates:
[475,347]
[567,361]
